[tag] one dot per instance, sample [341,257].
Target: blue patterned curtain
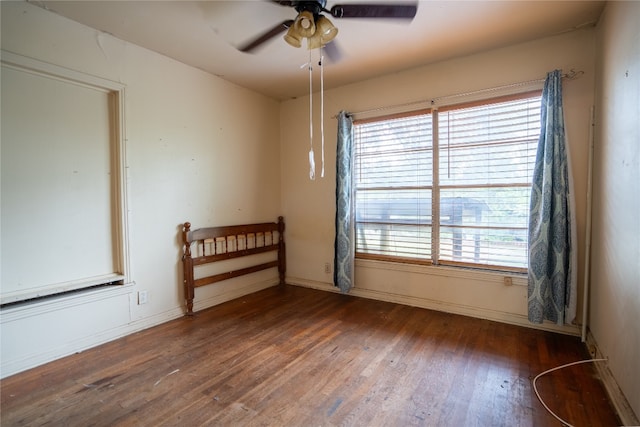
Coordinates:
[344,242]
[551,281]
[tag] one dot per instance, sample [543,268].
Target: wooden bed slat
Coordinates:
[230,274]
[236,254]
[230,230]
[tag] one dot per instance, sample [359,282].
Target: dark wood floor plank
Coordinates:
[297,357]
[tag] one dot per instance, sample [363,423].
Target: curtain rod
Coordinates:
[571,75]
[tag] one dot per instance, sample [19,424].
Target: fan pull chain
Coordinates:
[312,163]
[322,108]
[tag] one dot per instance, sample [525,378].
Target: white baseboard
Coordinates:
[464,310]
[78,346]
[617,397]
[29,361]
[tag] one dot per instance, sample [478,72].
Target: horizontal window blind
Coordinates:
[485,153]
[393,167]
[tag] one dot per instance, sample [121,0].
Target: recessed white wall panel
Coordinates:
[56,184]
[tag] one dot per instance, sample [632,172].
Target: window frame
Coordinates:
[436,187]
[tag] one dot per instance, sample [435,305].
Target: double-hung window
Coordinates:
[447,186]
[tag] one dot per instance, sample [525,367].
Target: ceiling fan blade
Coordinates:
[332,51]
[289,3]
[268,35]
[374,10]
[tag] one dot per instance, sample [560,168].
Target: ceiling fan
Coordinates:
[310,23]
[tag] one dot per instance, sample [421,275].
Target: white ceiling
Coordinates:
[204,34]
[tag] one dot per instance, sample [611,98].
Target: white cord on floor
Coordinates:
[555,369]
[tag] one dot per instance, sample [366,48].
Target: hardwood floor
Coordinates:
[299,357]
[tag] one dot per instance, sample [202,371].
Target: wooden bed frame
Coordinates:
[222,243]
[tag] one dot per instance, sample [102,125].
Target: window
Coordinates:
[448,186]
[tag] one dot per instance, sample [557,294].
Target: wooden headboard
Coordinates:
[214,244]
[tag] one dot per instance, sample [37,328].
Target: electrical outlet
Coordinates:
[143,297]
[327,268]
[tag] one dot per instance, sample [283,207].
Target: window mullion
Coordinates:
[435,193]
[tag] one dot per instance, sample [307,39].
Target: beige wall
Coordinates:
[190,156]
[615,282]
[309,206]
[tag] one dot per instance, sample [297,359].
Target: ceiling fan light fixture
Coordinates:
[293,38]
[314,42]
[325,28]
[304,24]
[325,32]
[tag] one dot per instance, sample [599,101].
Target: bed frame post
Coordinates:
[187,265]
[282,257]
